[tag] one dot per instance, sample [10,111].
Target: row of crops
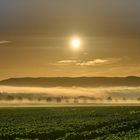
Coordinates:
[73,123]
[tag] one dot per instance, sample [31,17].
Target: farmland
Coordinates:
[70,123]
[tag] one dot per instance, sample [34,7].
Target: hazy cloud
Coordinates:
[93,62]
[67,61]
[4,42]
[89,62]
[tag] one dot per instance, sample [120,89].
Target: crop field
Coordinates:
[70,123]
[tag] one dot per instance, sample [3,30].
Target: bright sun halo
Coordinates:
[75,43]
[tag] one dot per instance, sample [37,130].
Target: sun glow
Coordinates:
[75,43]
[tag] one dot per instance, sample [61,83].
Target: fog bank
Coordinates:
[69,95]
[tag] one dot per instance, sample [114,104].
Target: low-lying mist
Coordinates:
[9,94]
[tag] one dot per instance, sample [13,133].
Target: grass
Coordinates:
[70,123]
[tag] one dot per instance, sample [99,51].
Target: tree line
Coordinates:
[58,99]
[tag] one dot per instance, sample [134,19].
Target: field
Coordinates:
[70,123]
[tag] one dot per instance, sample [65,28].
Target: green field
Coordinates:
[70,123]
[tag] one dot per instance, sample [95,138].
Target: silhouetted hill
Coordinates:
[69,82]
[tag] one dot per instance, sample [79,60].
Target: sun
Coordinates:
[75,43]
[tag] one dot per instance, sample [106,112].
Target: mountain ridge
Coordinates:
[72,81]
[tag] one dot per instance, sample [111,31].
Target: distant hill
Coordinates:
[69,82]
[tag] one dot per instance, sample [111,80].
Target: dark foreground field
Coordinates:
[70,123]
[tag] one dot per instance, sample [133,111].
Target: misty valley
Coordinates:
[69,69]
[69,95]
[66,90]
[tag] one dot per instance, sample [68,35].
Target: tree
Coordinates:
[58,99]
[30,98]
[20,98]
[39,99]
[48,99]
[9,97]
[76,100]
[109,98]
[66,100]
[124,98]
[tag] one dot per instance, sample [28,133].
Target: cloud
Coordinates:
[4,42]
[67,61]
[93,62]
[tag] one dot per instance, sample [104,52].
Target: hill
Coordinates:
[69,81]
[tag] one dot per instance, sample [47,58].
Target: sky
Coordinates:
[35,38]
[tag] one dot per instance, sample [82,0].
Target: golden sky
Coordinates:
[35,38]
